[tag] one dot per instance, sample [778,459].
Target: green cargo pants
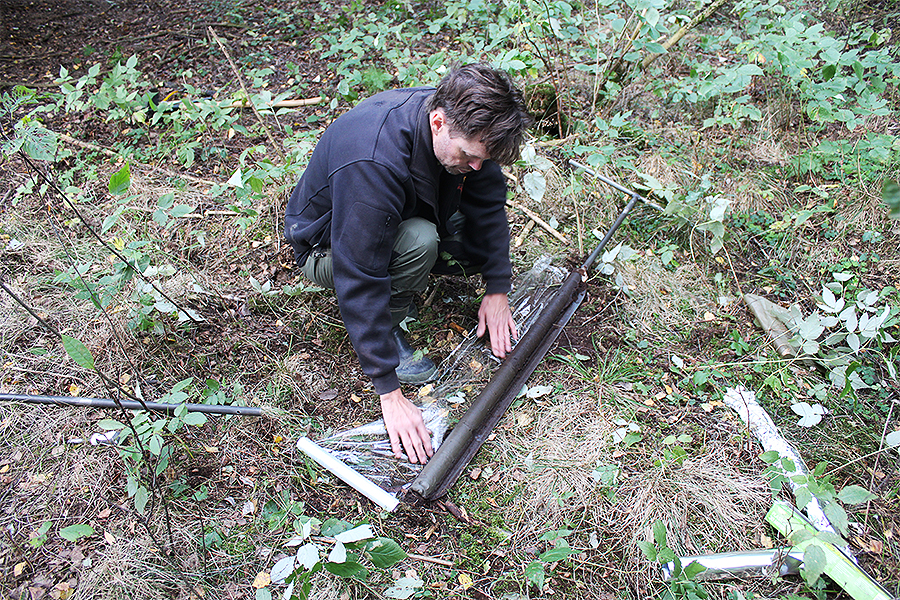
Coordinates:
[415,253]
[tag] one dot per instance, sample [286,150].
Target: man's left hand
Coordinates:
[495,317]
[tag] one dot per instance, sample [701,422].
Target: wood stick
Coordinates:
[296,103]
[429,559]
[524,233]
[699,18]
[537,219]
[113,154]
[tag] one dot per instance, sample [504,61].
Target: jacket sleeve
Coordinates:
[367,200]
[486,238]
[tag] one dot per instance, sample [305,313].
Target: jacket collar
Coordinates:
[425,168]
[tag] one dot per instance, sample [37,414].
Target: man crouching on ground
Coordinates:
[406,177]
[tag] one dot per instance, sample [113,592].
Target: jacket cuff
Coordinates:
[386,383]
[497,286]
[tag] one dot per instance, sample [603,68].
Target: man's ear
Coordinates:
[438,120]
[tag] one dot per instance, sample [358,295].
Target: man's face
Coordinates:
[457,154]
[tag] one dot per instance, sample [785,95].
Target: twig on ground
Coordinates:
[433,293]
[537,219]
[524,233]
[114,154]
[578,227]
[429,559]
[698,18]
[296,103]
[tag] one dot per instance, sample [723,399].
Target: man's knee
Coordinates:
[416,247]
[319,269]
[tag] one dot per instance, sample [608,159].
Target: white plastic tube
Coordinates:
[346,474]
[743,402]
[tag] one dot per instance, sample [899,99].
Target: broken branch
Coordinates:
[537,219]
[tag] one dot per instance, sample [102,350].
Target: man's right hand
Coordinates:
[404,424]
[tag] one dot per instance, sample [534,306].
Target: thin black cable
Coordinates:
[109,384]
[52,185]
[30,310]
[154,483]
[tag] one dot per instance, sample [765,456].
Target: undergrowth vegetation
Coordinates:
[143,260]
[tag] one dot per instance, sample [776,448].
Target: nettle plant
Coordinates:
[850,334]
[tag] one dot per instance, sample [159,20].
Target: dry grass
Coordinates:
[660,299]
[557,453]
[710,503]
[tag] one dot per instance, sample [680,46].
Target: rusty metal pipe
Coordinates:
[473,428]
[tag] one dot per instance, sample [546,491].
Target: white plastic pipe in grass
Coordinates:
[743,402]
[346,474]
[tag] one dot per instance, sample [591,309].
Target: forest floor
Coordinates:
[554,475]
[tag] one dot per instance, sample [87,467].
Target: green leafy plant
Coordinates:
[559,551]
[853,327]
[681,584]
[344,552]
[154,445]
[815,487]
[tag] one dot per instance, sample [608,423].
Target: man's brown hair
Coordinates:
[482,104]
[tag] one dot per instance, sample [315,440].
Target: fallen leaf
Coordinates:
[524,419]
[538,391]
[262,580]
[104,513]
[110,538]
[328,395]
[355,398]
[62,591]
[19,569]
[465,581]
[475,473]
[810,414]
[211,449]
[249,508]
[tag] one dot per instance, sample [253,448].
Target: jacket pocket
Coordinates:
[367,237]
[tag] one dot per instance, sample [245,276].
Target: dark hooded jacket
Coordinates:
[373,168]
